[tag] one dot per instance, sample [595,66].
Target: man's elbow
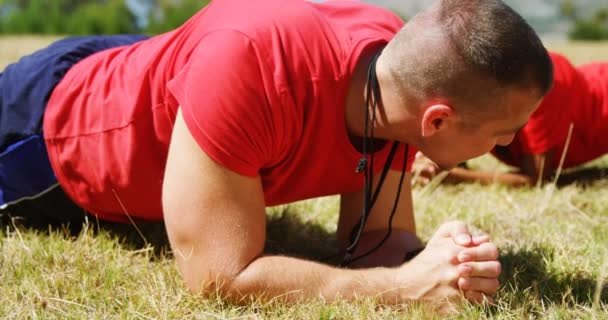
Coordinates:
[212,277]
[210,284]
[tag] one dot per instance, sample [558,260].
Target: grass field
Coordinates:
[553,242]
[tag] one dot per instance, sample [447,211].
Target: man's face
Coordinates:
[459,142]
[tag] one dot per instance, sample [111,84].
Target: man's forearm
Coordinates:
[432,277]
[485,177]
[290,279]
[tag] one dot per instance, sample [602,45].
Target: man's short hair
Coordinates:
[468,52]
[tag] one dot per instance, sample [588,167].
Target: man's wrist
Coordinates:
[414,248]
[412,254]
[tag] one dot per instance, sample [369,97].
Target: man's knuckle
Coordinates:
[451,254]
[494,286]
[490,249]
[451,275]
[497,269]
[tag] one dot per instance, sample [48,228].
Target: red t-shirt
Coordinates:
[262,85]
[579,97]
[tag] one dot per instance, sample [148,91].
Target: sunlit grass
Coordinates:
[553,242]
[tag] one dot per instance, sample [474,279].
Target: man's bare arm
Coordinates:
[533,166]
[215,220]
[515,179]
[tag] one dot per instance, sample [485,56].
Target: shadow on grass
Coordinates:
[584,176]
[287,233]
[528,271]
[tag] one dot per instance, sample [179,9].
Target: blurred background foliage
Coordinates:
[82,17]
[583,20]
[592,26]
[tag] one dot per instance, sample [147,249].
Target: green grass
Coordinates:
[553,242]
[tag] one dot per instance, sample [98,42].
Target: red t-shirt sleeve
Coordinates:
[223,100]
[549,123]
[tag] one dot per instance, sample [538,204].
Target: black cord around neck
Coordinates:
[371,102]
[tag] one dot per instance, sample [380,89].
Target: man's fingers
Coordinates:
[484,269]
[479,239]
[478,297]
[423,180]
[484,252]
[487,286]
[459,232]
[425,167]
[454,227]
[425,170]
[474,296]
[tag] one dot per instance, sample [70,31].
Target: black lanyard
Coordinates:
[369,199]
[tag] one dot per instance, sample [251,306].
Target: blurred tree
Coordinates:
[169,14]
[594,27]
[75,17]
[568,9]
[601,16]
[79,17]
[102,17]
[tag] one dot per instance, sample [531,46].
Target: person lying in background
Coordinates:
[567,129]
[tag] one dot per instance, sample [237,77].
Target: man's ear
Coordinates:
[435,118]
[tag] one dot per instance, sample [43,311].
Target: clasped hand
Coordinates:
[456,264]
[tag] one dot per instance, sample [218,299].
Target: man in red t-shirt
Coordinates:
[257,103]
[568,124]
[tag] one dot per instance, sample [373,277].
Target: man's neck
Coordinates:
[355,110]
